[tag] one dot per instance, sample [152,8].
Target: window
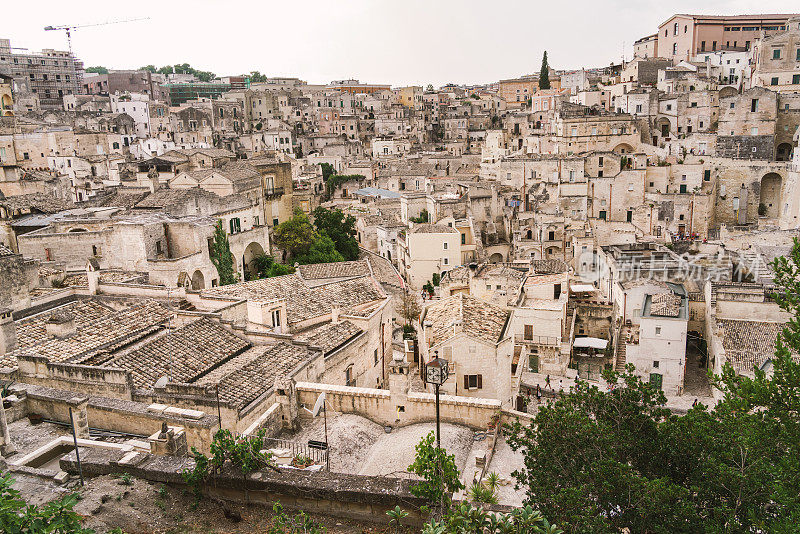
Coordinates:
[275,315]
[529,332]
[674,49]
[776,53]
[348,377]
[773,80]
[445,245]
[675,29]
[754,105]
[463,239]
[445,261]
[796,79]
[275,222]
[754,130]
[658,330]
[655,364]
[797,58]
[376,356]
[473,381]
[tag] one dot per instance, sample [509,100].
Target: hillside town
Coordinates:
[184,253]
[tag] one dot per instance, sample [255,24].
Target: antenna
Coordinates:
[68,28]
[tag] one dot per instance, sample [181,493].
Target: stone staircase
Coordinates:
[754,263]
[622,341]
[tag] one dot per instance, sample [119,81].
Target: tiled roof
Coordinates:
[246,384]
[302,301]
[330,335]
[748,344]
[183,355]
[31,331]
[5,251]
[382,269]
[168,197]
[429,228]
[41,202]
[548,266]
[665,305]
[243,175]
[105,335]
[463,313]
[341,269]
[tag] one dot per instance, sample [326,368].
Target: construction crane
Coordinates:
[69,28]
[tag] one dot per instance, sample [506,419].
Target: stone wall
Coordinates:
[382,407]
[117,415]
[760,147]
[87,379]
[363,498]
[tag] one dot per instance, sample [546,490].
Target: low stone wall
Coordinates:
[382,407]
[357,497]
[89,379]
[116,414]
[270,422]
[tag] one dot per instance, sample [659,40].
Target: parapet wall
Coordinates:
[117,415]
[382,407]
[364,498]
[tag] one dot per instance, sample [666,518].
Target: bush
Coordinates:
[762,209]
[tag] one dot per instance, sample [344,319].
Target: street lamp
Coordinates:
[436,373]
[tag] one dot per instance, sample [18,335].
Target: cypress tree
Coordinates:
[544,74]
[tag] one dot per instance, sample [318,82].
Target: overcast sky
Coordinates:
[376,41]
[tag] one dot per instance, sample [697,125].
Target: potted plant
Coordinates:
[301,461]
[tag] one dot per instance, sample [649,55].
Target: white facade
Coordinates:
[138,107]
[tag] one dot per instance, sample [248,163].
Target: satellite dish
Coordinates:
[319,404]
[161,382]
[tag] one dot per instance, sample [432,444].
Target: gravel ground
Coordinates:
[504,462]
[350,437]
[359,446]
[393,453]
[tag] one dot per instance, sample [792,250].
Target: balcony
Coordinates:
[549,341]
[274,192]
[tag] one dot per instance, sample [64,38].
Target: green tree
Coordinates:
[256,77]
[603,461]
[221,256]
[149,68]
[340,228]
[327,171]
[166,69]
[544,73]
[440,476]
[18,517]
[322,250]
[97,70]
[267,267]
[295,235]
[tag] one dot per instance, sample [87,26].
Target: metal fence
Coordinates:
[297,449]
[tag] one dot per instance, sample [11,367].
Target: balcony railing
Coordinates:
[550,341]
[274,192]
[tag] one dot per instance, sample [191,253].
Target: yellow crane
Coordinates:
[68,28]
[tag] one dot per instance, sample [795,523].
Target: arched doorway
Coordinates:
[623,148]
[251,252]
[198,280]
[784,152]
[496,258]
[183,279]
[727,92]
[770,195]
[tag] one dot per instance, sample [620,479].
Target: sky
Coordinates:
[416,42]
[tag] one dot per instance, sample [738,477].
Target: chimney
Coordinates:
[61,324]
[93,275]
[8,332]
[335,311]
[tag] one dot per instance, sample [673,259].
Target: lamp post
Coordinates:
[436,373]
